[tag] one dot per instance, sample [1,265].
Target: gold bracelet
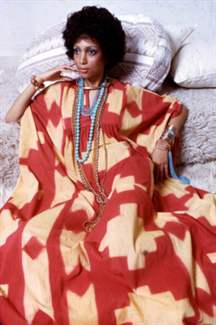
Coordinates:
[37,84]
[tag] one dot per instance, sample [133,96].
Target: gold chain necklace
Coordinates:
[100,195]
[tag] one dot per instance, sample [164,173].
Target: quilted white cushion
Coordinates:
[178,33]
[194,65]
[146,63]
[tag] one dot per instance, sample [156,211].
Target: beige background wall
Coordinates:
[20,20]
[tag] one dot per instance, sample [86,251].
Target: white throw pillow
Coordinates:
[146,63]
[178,33]
[194,65]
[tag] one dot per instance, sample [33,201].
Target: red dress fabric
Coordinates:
[151,258]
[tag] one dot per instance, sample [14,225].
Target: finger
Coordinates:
[66,78]
[166,169]
[72,67]
[157,174]
[65,66]
[163,172]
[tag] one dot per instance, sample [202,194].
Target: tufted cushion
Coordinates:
[194,65]
[178,33]
[146,63]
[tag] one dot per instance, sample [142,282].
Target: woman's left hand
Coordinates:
[160,160]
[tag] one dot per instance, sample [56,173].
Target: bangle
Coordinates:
[169,135]
[36,83]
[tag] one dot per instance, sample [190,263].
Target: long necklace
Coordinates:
[93,113]
[88,111]
[100,195]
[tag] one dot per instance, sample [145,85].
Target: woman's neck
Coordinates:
[93,83]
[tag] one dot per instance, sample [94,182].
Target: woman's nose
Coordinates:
[83,59]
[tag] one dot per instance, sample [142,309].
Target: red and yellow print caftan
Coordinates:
[151,258]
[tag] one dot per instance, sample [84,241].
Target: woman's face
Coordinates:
[89,59]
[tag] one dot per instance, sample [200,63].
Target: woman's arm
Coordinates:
[179,120]
[20,104]
[24,99]
[160,152]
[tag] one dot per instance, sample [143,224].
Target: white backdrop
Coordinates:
[20,20]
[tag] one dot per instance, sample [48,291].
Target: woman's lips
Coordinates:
[83,70]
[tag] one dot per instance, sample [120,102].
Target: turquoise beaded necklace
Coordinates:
[92,112]
[89,110]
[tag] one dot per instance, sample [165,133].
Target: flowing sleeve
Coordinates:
[145,115]
[39,154]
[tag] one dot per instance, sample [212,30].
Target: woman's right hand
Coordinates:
[55,73]
[160,159]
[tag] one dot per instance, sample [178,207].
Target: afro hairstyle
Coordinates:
[100,25]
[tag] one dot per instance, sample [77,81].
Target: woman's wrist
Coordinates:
[163,145]
[37,82]
[169,135]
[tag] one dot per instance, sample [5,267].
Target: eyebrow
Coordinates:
[88,47]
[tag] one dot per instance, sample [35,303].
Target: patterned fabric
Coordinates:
[151,259]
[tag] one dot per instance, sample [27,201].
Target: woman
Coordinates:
[92,238]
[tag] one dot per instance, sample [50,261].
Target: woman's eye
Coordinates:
[75,50]
[92,52]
